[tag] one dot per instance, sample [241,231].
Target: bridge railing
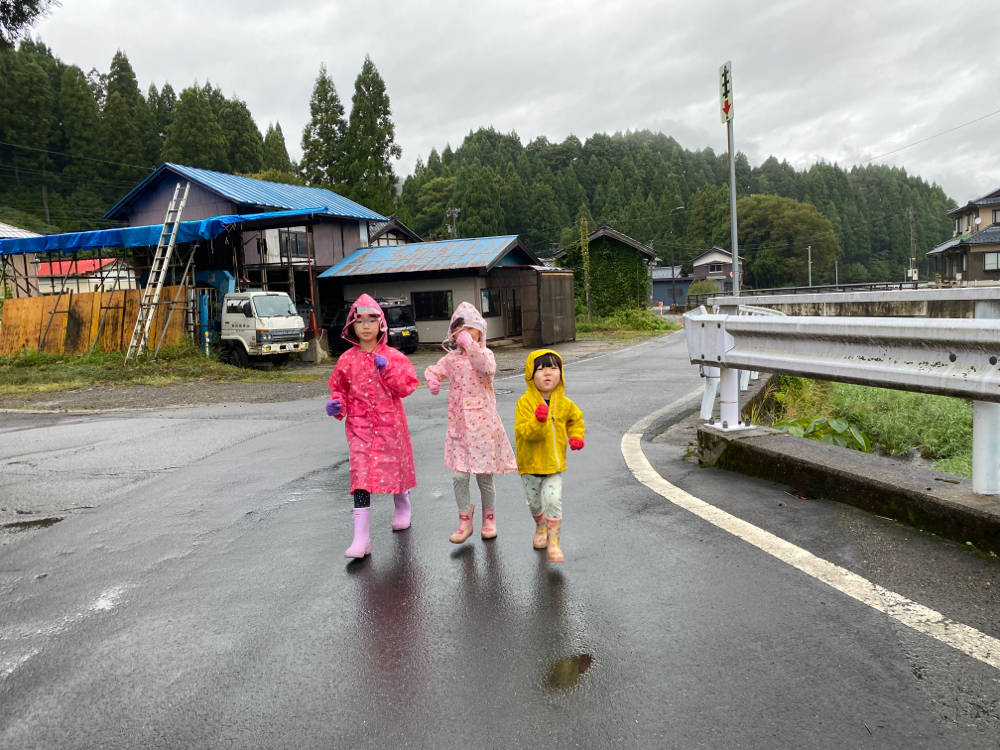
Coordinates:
[693,301]
[955,357]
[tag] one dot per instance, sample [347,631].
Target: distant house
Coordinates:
[715,265]
[619,269]
[972,255]
[391,232]
[500,276]
[670,283]
[85,276]
[18,271]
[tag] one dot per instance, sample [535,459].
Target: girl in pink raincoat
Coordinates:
[476,442]
[366,387]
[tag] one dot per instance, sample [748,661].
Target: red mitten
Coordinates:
[575,443]
[542,412]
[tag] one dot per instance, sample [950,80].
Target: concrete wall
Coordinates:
[151,207]
[462,288]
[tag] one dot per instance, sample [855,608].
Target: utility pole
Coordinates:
[913,248]
[836,276]
[452,213]
[809,249]
[45,202]
[726,97]
[673,268]
[585,253]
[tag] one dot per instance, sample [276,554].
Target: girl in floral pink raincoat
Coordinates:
[476,442]
[366,386]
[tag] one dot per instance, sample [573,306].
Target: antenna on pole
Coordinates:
[452,213]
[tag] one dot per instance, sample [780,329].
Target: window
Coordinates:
[432,305]
[235,305]
[991,261]
[490,299]
[716,267]
[958,225]
[294,243]
[996,216]
[968,222]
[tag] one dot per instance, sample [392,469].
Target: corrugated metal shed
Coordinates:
[447,255]
[8,231]
[249,192]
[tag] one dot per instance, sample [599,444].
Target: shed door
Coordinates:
[512,311]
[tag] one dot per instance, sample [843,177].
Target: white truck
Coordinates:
[260,327]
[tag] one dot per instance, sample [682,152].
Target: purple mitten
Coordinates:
[463,338]
[380,362]
[333,407]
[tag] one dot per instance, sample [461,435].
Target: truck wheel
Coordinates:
[236,356]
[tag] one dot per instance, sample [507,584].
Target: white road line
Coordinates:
[916,616]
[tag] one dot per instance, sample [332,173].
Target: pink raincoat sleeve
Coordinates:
[439,371]
[399,376]
[482,359]
[340,384]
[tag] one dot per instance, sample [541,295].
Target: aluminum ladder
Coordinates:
[161,261]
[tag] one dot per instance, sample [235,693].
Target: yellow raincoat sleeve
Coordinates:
[574,421]
[526,427]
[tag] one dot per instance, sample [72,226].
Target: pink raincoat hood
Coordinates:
[365,305]
[465,315]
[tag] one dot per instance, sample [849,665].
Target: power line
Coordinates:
[943,132]
[74,156]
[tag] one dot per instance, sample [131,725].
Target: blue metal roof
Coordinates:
[250,192]
[148,236]
[447,255]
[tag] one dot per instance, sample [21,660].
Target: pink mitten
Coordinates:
[463,338]
[434,386]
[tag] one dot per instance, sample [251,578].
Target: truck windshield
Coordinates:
[399,316]
[273,306]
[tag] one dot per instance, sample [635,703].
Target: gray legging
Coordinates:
[460,481]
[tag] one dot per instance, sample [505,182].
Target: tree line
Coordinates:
[858,217]
[73,143]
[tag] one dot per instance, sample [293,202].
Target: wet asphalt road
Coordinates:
[204,601]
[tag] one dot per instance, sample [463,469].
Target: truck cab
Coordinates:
[260,327]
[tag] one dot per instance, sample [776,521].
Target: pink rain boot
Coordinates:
[401,520]
[464,530]
[489,524]
[541,540]
[362,544]
[555,552]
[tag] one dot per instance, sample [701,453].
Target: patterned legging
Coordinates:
[544,493]
[460,481]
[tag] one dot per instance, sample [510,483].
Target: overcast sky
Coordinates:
[842,81]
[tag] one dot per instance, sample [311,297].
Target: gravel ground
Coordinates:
[510,360]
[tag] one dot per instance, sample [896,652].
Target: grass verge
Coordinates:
[896,421]
[625,319]
[34,372]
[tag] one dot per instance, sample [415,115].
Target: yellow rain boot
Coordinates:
[555,554]
[541,540]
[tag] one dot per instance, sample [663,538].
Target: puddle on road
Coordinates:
[37,523]
[566,672]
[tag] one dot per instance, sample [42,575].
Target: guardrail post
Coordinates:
[729,400]
[711,375]
[986,428]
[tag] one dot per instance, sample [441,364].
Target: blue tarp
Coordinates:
[188,231]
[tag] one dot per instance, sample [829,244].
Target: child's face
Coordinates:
[474,332]
[366,328]
[546,379]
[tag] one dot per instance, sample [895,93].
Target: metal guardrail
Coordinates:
[693,301]
[923,294]
[955,357]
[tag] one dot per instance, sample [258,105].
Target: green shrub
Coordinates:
[626,319]
[704,286]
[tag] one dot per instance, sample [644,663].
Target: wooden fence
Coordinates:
[78,317]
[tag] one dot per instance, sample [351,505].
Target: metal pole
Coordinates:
[732,211]
[836,274]
[809,250]
[673,268]
[986,428]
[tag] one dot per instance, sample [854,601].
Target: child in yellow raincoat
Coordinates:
[546,421]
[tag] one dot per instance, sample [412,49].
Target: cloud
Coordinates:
[841,82]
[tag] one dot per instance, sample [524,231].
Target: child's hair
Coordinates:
[351,334]
[457,323]
[547,360]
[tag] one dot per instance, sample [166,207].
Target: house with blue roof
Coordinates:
[500,276]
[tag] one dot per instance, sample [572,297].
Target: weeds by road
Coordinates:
[33,372]
[625,323]
[897,422]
